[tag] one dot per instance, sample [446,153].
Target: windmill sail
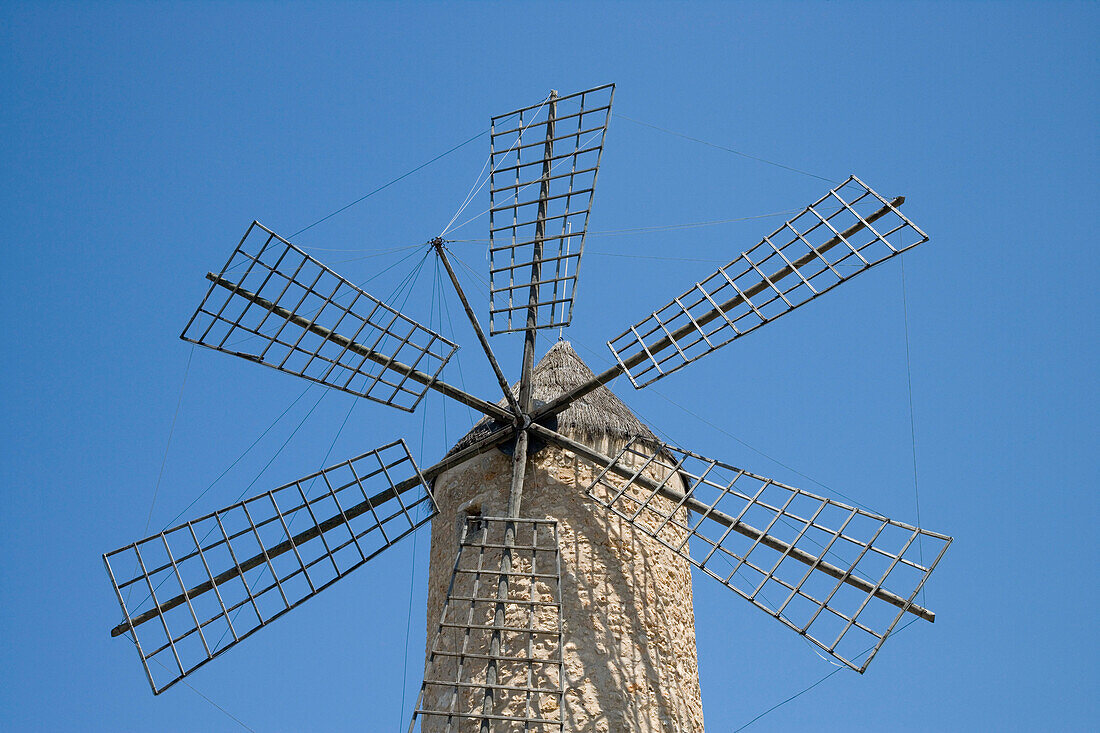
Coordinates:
[840,235]
[544,160]
[521,684]
[193,591]
[275,305]
[841,576]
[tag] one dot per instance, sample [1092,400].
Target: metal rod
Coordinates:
[563,401]
[556,177]
[737,526]
[543,200]
[409,372]
[362,507]
[556,98]
[504,386]
[569,136]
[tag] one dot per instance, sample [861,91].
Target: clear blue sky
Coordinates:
[139,140]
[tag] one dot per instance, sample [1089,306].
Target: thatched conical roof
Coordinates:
[596,414]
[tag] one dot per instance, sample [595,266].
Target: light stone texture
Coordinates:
[627,615]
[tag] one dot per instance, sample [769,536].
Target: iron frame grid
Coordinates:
[799,247]
[224,314]
[511,263]
[245,541]
[635,503]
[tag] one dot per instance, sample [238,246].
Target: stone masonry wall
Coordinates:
[628,619]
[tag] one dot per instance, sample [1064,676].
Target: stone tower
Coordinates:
[627,619]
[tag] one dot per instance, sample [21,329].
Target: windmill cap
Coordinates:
[599,413]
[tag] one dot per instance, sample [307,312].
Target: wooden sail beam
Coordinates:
[519,454]
[740,527]
[563,401]
[490,409]
[317,530]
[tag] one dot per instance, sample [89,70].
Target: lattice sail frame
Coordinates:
[312,299]
[257,563]
[845,232]
[529,689]
[847,622]
[528,189]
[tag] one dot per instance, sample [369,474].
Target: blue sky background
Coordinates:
[139,141]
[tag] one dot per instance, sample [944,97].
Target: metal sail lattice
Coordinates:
[207,584]
[840,576]
[520,688]
[846,231]
[544,160]
[274,304]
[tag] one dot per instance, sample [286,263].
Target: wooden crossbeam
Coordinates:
[490,409]
[736,525]
[563,401]
[304,536]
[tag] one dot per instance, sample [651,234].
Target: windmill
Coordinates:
[505,649]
